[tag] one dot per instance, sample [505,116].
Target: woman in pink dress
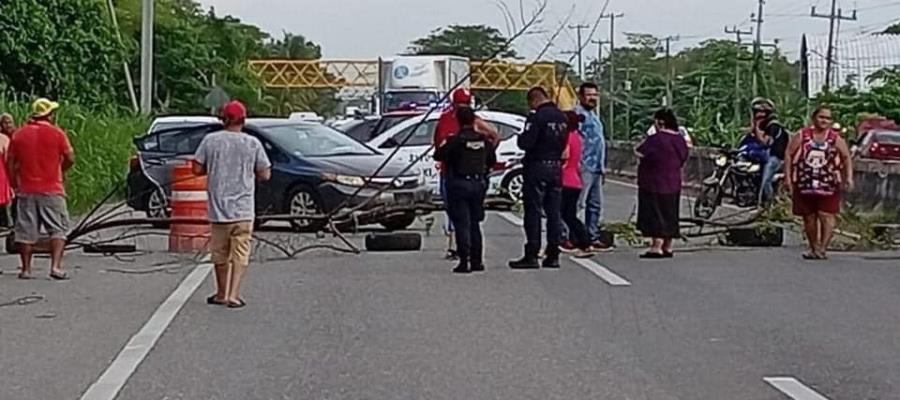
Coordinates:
[7,127]
[572,185]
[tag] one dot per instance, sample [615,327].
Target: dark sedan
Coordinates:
[315,169]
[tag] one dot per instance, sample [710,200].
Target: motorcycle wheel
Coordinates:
[707,202]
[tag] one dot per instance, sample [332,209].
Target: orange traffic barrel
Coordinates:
[188,201]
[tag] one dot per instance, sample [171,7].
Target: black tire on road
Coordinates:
[399,223]
[393,242]
[300,198]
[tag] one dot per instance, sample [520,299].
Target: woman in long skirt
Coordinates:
[662,157]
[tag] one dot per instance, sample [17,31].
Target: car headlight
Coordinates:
[347,180]
[721,161]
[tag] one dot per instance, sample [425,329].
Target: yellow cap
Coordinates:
[43,107]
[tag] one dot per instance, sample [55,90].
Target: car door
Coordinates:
[269,194]
[420,136]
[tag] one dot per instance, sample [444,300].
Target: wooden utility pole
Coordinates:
[758,18]
[668,40]
[578,29]
[836,15]
[612,69]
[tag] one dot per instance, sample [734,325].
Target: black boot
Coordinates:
[527,262]
[462,267]
[551,261]
[476,260]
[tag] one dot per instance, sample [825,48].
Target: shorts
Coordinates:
[231,243]
[37,212]
[807,204]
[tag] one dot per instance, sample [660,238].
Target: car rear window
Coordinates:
[888,137]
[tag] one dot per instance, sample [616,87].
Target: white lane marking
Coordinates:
[126,362]
[512,218]
[602,272]
[793,388]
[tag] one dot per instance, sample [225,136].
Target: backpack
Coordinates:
[816,165]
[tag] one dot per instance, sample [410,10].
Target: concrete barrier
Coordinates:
[877,182]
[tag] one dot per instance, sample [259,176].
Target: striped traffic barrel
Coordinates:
[188,202]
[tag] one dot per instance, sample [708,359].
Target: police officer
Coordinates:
[467,157]
[543,141]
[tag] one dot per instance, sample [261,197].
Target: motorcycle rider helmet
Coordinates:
[762,104]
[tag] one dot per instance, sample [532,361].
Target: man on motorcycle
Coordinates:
[772,134]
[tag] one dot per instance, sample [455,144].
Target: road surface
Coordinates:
[715,324]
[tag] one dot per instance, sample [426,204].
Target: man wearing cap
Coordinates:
[39,155]
[447,126]
[234,161]
[775,137]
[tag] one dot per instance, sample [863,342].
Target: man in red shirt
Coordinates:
[39,154]
[448,126]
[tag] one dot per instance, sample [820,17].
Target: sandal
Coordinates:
[25,277]
[811,256]
[211,300]
[652,255]
[59,276]
[237,304]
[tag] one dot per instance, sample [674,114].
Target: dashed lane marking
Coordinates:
[604,273]
[793,388]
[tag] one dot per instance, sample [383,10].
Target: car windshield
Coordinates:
[312,140]
[399,100]
[888,137]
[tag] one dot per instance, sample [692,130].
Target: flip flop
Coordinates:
[237,304]
[810,256]
[653,256]
[60,277]
[211,300]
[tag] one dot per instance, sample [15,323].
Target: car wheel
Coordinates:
[393,242]
[399,223]
[158,207]
[512,185]
[303,201]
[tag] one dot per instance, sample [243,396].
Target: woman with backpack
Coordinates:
[819,170]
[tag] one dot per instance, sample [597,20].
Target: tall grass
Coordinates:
[103,144]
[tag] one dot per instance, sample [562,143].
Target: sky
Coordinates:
[366,29]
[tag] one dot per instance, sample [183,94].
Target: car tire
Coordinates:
[399,223]
[393,242]
[301,198]
[512,185]
[158,207]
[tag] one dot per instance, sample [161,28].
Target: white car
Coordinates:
[505,180]
[180,121]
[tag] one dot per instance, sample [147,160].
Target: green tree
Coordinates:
[477,42]
[64,49]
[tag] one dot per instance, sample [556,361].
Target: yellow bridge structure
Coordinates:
[338,74]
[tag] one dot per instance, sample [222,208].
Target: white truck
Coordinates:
[411,82]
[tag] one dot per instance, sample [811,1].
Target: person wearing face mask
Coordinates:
[772,134]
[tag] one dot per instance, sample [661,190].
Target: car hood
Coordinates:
[362,165]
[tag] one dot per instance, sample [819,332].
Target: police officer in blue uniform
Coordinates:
[467,158]
[543,141]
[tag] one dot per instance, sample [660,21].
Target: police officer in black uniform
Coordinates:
[543,141]
[467,157]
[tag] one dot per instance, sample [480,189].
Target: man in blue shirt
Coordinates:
[593,160]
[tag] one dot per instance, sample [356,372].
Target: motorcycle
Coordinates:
[737,176]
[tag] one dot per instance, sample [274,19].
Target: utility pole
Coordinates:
[669,40]
[146,57]
[836,15]
[738,34]
[612,68]
[627,89]
[578,29]
[758,18]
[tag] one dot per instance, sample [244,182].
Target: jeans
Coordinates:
[766,190]
[542,189]
[448,222]
[592,202]
[577,232]
[465,204]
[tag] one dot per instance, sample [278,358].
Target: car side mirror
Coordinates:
[390,143]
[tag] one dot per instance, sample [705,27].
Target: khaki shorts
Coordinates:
[231,243]
[37,214]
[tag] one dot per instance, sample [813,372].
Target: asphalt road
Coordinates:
[716,324]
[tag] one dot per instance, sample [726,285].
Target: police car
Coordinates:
[505,179]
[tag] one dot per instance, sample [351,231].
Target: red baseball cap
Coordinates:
[234,111]
[462,96]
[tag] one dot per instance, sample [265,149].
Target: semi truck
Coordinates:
[410,82]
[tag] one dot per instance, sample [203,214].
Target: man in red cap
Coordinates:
[448,126]
[234,161]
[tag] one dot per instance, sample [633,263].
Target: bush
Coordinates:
[103,145]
